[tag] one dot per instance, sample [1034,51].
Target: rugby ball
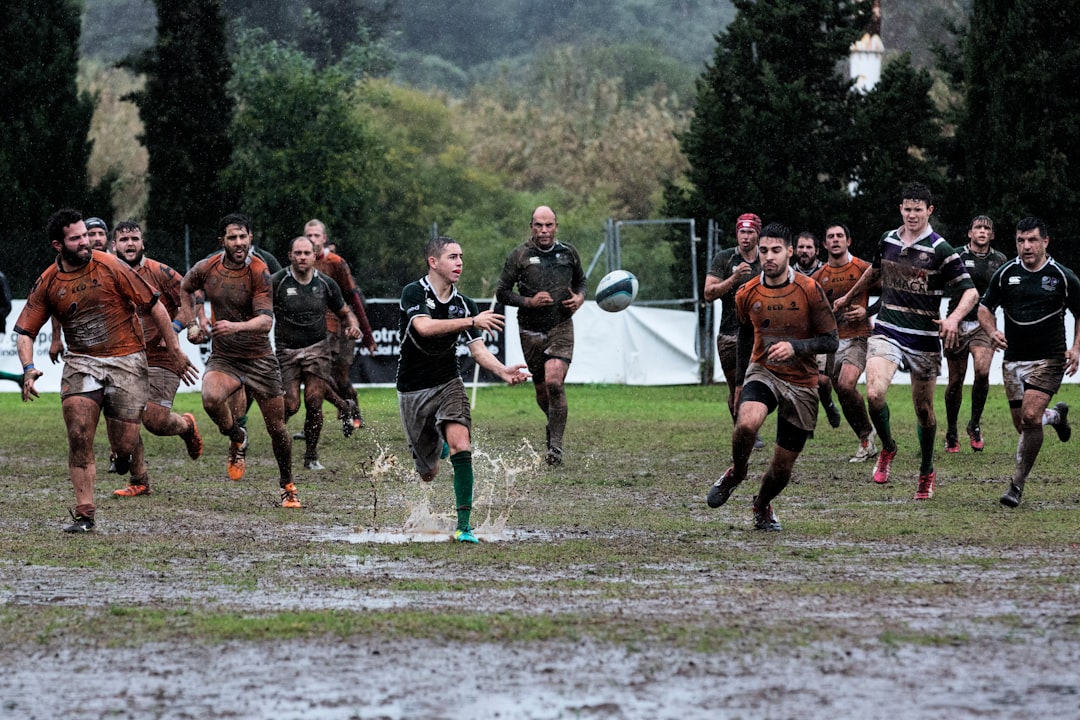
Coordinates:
[616,290]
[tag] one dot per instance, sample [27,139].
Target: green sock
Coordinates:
[242,421]
[12,377]
[880,421]
[926,448]
[463,486]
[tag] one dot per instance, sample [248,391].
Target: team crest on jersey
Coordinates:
[534,260]
[1014,280]
[1049,284]
[430,303]
[290,291]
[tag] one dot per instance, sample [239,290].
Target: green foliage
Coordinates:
[300,149]
[44,122]
[771,131]
[900,133]
[1018,128]
[186,113]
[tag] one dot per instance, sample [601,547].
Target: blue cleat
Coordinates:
[465,536]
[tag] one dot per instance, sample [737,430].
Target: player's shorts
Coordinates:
[163,384]
[342,349]
[424,414]
[796,404]
[1042,375]
[261,376]
[313,360]
[851,351]
[921,365]
[825,364]
[539,347]
[971,335]
[727,351]
[122,380]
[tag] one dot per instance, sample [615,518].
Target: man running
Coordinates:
[981,262]
[241,362]
[784,322]
[431,395]
[302,296]
[1033,291]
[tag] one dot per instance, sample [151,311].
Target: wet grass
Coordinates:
[616,545]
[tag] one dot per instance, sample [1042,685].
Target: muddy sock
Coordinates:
[1031,440]
[86,510]
[1050,416]
[881,423]
[556,426]
[979,391]
[463,486]
[927,435]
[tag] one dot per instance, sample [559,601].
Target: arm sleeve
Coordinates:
[504,291]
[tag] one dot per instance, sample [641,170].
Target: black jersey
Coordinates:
[300,310]
[1034,303]
[981,268]
[427,362]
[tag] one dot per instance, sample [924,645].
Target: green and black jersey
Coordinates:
[1034,303]
[427,362]
[981,268]
[300,310]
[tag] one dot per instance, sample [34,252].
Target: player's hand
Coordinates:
[197,334]
[999,342]
[56,350]
[743,271]
[855,315]
[29,392]
[780,352]
[515,374]
[949,331]
[1072,360]
[841,302]
[490,320]
[541,299]
[353,333]
[574,302]
[185,369]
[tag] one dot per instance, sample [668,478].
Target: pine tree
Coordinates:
[186,112]
[1018,129]
[44,121]
[771,132]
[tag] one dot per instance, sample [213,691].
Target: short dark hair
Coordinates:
[434,247]
[842,226]
[776,230]
[807,234]
[1032,223]
[983,219]
[233,219]
[917,191]
[126,226]
[54,228]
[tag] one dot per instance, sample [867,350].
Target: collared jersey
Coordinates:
[557,271]
[722,267]
[165,281]
[836,282]
[795,310]
[914,278]
[96,305]
[237,296]
[427,362]
[300,310]
[981,268]
[1034,303]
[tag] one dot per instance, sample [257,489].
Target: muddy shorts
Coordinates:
[921,365]
[342,350]
[311,360]
[163,384]
[726,350]
[424,413]
[971,335]
[1021,375]
[261,376]
[851,351]
[122,380]
[796,404]
[539,347]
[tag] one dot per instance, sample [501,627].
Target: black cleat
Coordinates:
[721,489]
[1012,498]
[1064,430]
[121,465]
[81,524]
[833,415]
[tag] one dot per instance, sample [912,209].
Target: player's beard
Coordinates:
[134,262]
[75,258]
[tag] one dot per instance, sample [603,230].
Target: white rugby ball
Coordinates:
[616,290]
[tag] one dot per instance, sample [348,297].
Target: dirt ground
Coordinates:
[995,669]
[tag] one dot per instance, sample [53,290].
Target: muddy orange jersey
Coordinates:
[236,296]
[836,281]
[96,305]
[796,310]
[166,282]
[337,268]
